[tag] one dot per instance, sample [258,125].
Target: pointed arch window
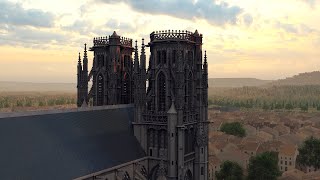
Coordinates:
[164,57]
[161,92]
[174,56]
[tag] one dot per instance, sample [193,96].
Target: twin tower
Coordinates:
[170,97]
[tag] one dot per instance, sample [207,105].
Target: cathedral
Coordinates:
[169,100]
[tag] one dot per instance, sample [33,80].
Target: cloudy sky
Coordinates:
[266,39]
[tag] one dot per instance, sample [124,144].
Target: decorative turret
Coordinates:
[79,64]
[136,59]
[85,60]
[85,77]
[205,64]
[172,131]
[114,39]
[79,81]
[143,56]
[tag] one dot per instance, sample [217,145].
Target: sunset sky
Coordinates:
[265,39]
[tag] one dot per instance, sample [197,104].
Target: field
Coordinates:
[32,100]
[303,98]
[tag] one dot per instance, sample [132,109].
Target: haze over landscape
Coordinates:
[268,40]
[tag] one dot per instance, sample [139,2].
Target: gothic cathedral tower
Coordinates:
[171,120]
[111,73]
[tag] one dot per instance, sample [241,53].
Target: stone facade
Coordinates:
[170,100]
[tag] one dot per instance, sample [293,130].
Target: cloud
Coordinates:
[311,3]
[290,28]
[82,27]
[31,37]
[300,29]
[85,27]
[15,14]
[120,26]
[212,11]
[247,19]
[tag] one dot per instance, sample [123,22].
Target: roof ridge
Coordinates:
[58,111]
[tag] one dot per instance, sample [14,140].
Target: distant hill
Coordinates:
[307,78]
[236,82]
[38,87]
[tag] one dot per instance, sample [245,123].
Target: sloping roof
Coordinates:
[271,131]
[282,129]
[235,155]
[66,145]
[288,150]
[250,146]
[291,139]
[270,146]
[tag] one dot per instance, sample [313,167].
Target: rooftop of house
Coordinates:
[250,130]
[269,146]
[235,155]
[264,136]
[314,119]
[270,131]
[251,139]
[282,129]
[250,146]
[288,150]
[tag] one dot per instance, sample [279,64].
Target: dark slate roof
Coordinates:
[66,145]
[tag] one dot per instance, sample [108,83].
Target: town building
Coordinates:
[287,157]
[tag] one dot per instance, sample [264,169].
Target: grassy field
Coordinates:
[287,98]
[32,100]
[304,98]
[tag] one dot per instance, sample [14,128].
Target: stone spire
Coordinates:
[205,64]
[196,33]
[143,56]
[85,60]
[142,47]
[114,34]
[136,58]
[79,60]
[172,109]
[85,51]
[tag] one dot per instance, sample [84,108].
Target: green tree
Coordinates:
[309,153]
[289,106]
[230,171]
[264,167]
[265,106]
[234,128]
[304,107]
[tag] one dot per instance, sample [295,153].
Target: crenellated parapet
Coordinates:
[126,41]
[174,35]
[105,41]
[100,41]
